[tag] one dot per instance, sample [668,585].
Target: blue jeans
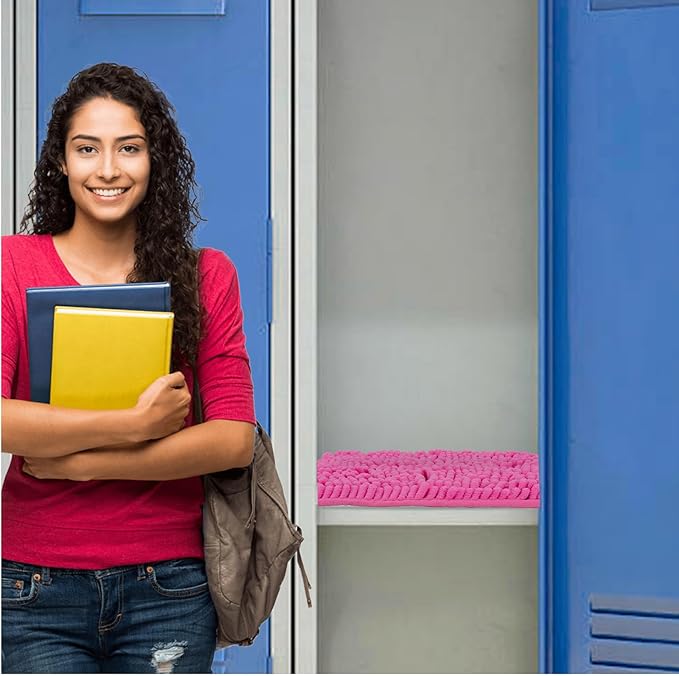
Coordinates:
[147,618]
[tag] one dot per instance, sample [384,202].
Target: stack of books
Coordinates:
[98,346]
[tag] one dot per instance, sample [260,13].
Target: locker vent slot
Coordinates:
[634,634]
[151,7]
[601,669]
[629,4]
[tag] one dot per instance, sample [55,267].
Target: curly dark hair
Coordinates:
[168,214]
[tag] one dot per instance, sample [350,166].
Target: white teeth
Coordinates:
[108,193]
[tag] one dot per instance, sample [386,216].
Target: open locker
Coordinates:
[426,277]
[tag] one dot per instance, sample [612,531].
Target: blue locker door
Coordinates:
[212,60]
[610,142]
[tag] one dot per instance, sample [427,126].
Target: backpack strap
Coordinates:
[302,570]
[197,403]
[198,418]
[253,494]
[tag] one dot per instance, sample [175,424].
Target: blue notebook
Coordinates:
[40,303]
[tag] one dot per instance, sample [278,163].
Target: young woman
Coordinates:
[101,510]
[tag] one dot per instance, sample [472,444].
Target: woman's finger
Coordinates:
[176,379]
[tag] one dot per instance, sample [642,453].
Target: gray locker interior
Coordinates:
[427,316]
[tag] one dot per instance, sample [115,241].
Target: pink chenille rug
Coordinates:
[434,478]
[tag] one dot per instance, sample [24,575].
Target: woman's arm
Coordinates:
[44,431]
[209,447]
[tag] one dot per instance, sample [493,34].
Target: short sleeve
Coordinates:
[223,364]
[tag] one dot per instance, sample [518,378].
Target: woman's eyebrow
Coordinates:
[87,137]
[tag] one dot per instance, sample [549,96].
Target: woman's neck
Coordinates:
[102,254]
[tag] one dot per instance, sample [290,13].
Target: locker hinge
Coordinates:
[269,270]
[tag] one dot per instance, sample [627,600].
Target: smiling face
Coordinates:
[107,162]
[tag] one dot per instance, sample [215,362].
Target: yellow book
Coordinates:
[104,359]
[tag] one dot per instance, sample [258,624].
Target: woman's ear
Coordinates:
[62,164]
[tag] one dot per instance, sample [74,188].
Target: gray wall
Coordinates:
[427,315]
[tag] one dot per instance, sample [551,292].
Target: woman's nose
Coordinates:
[108,167]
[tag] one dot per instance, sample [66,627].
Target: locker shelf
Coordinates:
[427,516]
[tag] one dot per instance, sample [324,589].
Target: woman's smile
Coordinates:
[108,194]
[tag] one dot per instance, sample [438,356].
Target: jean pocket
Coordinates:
[19,586]
[179,578]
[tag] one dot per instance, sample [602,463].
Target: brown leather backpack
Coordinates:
[248,540]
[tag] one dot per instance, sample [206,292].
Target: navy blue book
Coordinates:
[40,303]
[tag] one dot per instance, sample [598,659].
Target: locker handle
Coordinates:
[151,7]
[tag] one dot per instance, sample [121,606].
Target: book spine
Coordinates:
[168,343]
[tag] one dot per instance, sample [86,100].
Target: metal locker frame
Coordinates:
[282,276]
[305,324]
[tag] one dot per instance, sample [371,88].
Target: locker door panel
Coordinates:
[611,335]
[213,64]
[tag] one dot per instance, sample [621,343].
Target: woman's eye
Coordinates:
[86,150]
[130,149]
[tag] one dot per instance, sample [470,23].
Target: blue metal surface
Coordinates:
[215,70]
[611,284]
[269,269]
[157,7]
[545,569]
[630,4]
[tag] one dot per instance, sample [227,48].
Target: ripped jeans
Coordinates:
[147,618]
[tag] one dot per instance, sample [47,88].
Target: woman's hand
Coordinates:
[73,467]
[163,406]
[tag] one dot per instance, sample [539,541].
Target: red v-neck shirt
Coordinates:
[100,524]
